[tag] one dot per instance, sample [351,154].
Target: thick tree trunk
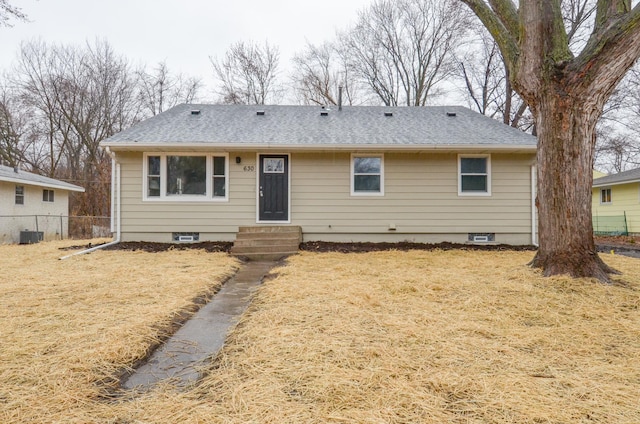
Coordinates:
[566,143]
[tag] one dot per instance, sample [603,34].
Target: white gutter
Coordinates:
[115,176]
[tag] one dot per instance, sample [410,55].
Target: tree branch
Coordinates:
[612,49]
[506,39]
[508,15]
[606,10]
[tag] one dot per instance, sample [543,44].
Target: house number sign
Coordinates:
[249,168]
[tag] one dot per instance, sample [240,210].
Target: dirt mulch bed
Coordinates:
[321,246]
[628,242]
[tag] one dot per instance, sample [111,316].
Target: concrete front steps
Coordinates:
[267,243]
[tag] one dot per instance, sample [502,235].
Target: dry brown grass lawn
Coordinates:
[386,337]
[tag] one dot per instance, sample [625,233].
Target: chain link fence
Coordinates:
[610,225]
[14,228]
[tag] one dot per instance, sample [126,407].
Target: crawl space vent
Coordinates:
[482,237]
[186,237]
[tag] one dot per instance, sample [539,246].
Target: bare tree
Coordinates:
[78,97]
[566,92]
[161,90]
[248,74]
[486,83]
[403,49]
[12,128]
[8,12]
[618,134]
[318,74]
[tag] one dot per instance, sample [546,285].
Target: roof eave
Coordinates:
[136,146]
[39,184]
[608,184]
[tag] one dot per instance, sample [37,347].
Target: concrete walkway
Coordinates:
[200,338]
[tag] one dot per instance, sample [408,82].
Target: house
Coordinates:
[33,206]
[616,203]
[353,173]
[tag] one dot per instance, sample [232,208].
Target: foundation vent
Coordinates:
[482,237]
[185,237]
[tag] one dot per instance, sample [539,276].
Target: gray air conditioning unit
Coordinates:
[30,237]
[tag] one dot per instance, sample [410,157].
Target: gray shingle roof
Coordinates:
[23,177]
[630,176]
[306,127]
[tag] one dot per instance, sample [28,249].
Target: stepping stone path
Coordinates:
[201,337]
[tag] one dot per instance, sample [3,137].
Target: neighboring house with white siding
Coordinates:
[25,197]
[356,173]
[616,203]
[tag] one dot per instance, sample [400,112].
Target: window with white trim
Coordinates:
[186,177]
[474,175]
[19,195]
[605,196]
[47,195]
[367,175]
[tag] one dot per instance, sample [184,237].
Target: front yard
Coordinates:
[386,337]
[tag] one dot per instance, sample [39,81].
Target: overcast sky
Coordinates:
[184,33]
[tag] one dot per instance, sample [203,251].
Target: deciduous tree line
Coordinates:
[59,101]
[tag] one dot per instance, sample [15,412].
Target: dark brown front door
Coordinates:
[273,190]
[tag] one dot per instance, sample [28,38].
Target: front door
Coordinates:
[273,188]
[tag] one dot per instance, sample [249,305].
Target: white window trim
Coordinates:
[23,195]
[351,175]
[474,193]
[48,201]
[610,195]
[208,197]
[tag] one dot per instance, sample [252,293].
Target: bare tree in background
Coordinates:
[319,72]
[486,83]
[618,134]
[12,128]
[403,49]
[160,90]
[78,97]
[248,74]
[9,12]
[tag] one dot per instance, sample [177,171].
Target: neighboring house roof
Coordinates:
[19,176]
[312,127]
[625,177]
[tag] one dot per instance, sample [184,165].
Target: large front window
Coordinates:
[185,177]
[367,175]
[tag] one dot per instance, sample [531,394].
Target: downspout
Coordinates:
[534,239]
[115,198]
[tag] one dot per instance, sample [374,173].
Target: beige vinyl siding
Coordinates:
[420,198]
[141,219]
